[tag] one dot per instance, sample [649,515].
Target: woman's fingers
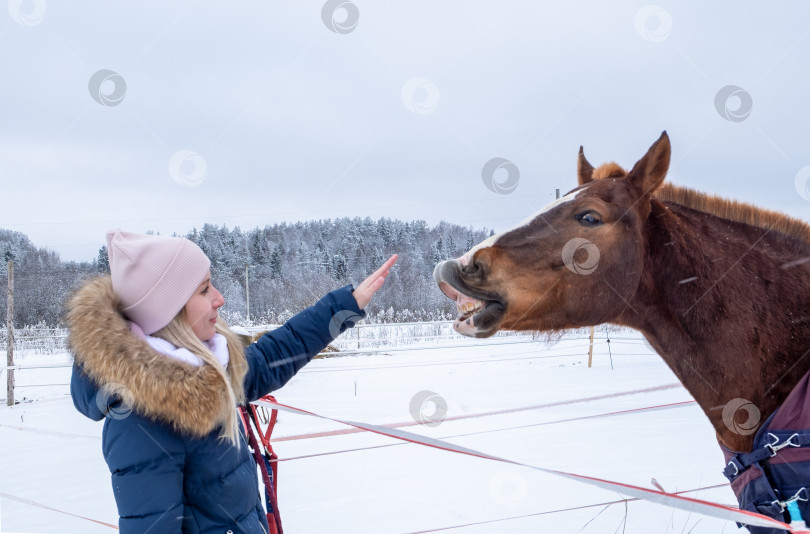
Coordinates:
[370,285]
[383,271]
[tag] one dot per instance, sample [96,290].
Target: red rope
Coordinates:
[674,501]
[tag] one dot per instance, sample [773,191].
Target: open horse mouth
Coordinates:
[480,312]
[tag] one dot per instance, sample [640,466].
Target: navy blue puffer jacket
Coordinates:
[170,471]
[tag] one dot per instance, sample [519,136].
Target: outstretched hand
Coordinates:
[369,286]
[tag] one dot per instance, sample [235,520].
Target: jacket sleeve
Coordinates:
[146,464]
[279,354]
[84,394]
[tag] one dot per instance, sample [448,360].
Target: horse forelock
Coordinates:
[609,170]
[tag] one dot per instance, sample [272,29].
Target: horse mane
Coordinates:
[721,207]
[735,211]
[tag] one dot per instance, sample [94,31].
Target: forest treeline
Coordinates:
[278,269]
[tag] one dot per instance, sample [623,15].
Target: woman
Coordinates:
[153,357]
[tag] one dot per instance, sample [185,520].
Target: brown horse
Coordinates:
[720,289]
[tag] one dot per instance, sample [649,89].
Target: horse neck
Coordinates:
[723,306]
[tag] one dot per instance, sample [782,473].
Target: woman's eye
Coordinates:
[590,219]
[205,291]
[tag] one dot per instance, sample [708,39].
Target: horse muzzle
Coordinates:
[480,312]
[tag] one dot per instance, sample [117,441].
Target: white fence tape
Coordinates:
[667,499]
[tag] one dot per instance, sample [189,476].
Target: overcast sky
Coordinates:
[167,115]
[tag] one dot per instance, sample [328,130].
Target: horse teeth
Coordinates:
[468,307]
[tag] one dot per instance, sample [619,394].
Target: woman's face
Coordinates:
[201,309]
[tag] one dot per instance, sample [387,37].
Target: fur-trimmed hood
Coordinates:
[193,400]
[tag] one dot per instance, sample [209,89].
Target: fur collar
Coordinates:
[192,399]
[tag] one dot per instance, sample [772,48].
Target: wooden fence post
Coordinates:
[10,336]
[590,350]
[247,295]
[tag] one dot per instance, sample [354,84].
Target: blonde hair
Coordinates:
[180,334]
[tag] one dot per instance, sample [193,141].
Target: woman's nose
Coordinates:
[219,300]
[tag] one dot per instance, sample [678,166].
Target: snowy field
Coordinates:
[53,477]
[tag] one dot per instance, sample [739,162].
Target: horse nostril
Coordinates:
[473,267]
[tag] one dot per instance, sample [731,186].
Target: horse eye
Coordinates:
[590,218]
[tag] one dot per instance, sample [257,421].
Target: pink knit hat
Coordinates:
[154,275]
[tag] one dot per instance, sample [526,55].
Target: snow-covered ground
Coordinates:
[53,477]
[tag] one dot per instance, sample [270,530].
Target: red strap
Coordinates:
[265,436]
[274,518]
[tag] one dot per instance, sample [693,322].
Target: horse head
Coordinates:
[577,262]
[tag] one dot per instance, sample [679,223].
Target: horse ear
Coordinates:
[584,169]
[648,173]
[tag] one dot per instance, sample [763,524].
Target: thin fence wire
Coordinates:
[362,339]
[42,351]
